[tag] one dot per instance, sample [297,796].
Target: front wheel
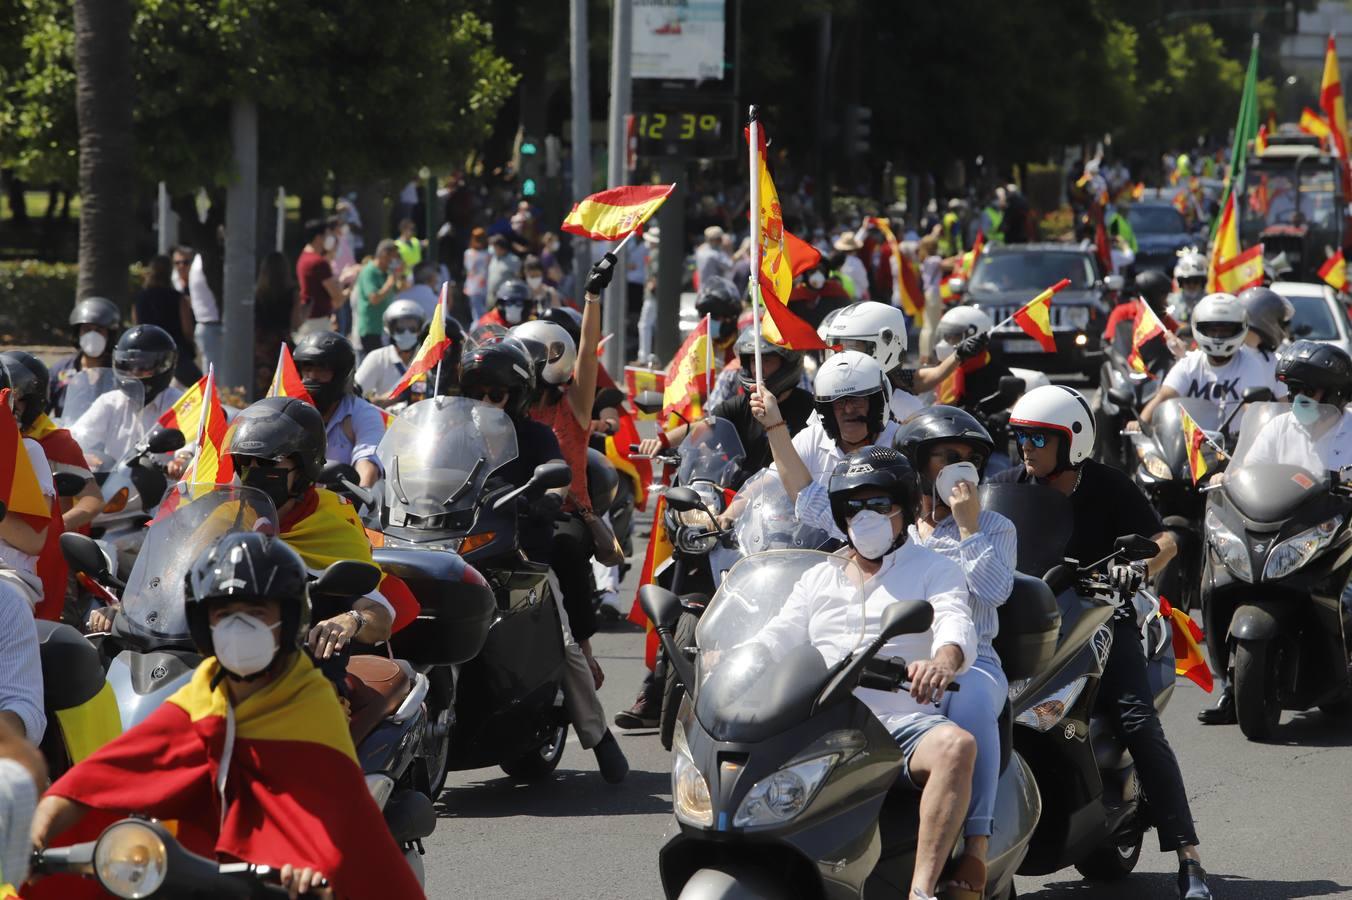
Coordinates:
[732,883]
[672,689]
[1113,862]
[1257,667]
[541,762]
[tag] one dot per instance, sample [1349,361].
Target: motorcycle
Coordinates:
[500,675]
[1093,815]
[1278,568]
[782,779]
[1123,392]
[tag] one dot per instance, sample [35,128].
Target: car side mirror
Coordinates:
[1136,547]
[1258,394]
[957,285]
[165,440]
[553,474]
[68,484]
[83,555]
[346,578]
[683,499]
[905,617]
[1114,282]
[649,402]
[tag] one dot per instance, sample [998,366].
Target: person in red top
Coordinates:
[1154,287]
[320,292]
[513,305]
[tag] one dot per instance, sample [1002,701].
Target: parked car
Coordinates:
[1320,315]
[1160,233]
[1007,277]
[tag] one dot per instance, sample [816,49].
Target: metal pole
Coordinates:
[616,305]
[430,209]
[671,262]
[755,239]
[281,218]
[165,241]
[241,224]
[581,136]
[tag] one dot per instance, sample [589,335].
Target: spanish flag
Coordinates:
[688,375]
[1187,640]
[1233,269]
[909,289]
[212,465]
[612,215]
[1035,317]
[638,471]
[286,381]
[953,389]
[655,561]
[1313,123]
[1334,272]
[1195,438]
[1260,143]
[293,790]
[971,256]
[432,351]
[1148,327]
[186,412]
[1331,99]
[20,493]
[638,379]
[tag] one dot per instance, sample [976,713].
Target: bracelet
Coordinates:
[663,440]
[361,620]
[587,298]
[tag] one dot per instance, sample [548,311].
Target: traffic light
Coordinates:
[858,130]
[530,167]
[528,188]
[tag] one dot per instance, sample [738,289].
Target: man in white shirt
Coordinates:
[711,260]
[381,370]
[1317,433]
[206,312]
[119,418]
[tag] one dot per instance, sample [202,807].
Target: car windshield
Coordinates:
[1273,434]
[103,413]
[152,604]
[763,518]
[1031,271]
[1155,220]
[711,452]
[1313,319]
[439,452]
[778,623]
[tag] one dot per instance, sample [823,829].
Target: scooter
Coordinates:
[1123,392]
[1278,571]
[783,781]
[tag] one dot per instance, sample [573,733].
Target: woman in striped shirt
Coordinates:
[984,544]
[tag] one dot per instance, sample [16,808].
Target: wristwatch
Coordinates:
[361,620]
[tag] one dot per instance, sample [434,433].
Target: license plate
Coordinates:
[1021,345]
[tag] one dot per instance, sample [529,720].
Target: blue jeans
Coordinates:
[976,708]
[210,338]
[478,305]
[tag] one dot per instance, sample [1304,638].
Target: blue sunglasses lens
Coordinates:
[1037,439]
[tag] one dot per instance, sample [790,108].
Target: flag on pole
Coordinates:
[639,471]
[20,491]
[971,256]
[1148,327]
[685,388]
[186,413]
[1334,272]
[909,288]
[1187,641]
[1035,317]
[432,351]
[613,214]
[1194,437]
[782,258]
[1246,130]
[1331,99]
[286,381]
[953,389]
[212,465]
[1313,123]
[1231,268]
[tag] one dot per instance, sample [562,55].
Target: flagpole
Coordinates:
[755,239]
[207,393]
[708,359]
[1054,288]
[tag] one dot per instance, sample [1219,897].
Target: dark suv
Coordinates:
[1007,277]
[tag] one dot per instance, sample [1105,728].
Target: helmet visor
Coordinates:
[1219,330]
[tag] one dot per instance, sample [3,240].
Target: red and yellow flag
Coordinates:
[639,471]
[1195,438]
[971,256]
[20,493]
[687,375]
[655,560]
[286,381]
[1148,327]
[909,287]
[611,215]
[212,465]
[432,351]
[63,456]
[1331,99]
[782,258]
[1334,272]
[1187,640]
[186,413]
[953,389]
[638,379]
[1035,317]
[1233,269]
[1260,142]
[1313,123]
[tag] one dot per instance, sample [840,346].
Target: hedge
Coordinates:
[36,299]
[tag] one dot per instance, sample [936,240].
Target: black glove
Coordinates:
[1127,578]
[547,507]
[973,346]
[599,277]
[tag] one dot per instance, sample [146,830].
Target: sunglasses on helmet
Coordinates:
[875,504]
[1037,438]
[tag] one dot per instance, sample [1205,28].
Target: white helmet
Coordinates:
[958,324]
[552,347]
[1191,264]
[878,329]
[1219,324]
[404,309]
[1058,408]
[851,374]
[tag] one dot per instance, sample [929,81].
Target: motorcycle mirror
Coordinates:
[1258,394]
[68,484]
[1011,386]
[649,402]
[83,555]
[335,473]
[1137,547]
[1059,577]
[957,285]
[660,605]
[905,617]
[552,474]
[1121,395]
[1114,282]
[345,578]
[165,440]
[683,499]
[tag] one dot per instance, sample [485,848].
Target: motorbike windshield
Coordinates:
[438,453]
[763,518]
[1285,452]
[152,604]
[1167,428]
[103,412]
[777,625]
[712,451]
[1035,509]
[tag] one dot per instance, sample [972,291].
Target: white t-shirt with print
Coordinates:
[1195,376]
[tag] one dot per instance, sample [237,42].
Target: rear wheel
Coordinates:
[541,762]
[672,689]
[1257,666]
[1113,862]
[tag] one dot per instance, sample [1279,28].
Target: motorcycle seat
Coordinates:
[376,686]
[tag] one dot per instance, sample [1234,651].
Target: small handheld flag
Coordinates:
[432,351]
[1035,317]
[1148,327]
[186,412]
[286,381]
[1194,437]
[1334,272]
[615,214]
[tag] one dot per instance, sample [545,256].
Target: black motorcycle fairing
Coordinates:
[63,649]
[1035,509]
[1271,492]
[740,702]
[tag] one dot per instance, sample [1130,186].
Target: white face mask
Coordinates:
[330,242]
[1305,410]
[943,350]
[871,534]
[405,340]
[816,280]
[513,314]
[92,343]
[948,479]
[243,644]
[534,282]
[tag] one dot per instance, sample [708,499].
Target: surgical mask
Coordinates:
[816,280]
[1305,410]
[405,340]
[272,481]
[513,314]
[244,644]
[943,350]
[330,242]
[715,328]
[871,534]
[950,475]
[93,343]
[534,282]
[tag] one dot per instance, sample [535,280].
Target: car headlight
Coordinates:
[130,860]
[1230,547]
[1075,316]
[1294,552]
[1154,464]
[1044,715]
[689,789]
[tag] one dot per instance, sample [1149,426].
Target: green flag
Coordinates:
[1246,130]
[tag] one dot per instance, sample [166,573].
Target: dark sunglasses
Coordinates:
[1024,438]
[254,462]
[953,456]
[876,504]
[1302,390]
[491,394]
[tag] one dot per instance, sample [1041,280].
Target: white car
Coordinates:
[1320,315]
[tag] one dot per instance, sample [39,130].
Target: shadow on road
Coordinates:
[1315,729]
[1155,884]
[569,794]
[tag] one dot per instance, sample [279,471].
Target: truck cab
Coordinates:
[1294,205]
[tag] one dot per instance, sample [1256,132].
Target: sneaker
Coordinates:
[610,605]
[640,715]
[610,759]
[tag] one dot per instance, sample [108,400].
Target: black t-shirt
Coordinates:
[983,382]
[160,306]
[1106,506]
[795,408]
[535,444]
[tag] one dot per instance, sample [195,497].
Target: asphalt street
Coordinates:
[1274,818]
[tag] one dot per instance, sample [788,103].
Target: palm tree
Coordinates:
[103,103]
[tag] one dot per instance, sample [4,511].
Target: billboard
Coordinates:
[679,40]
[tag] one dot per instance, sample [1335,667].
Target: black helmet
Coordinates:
[98,311]
[334,352]
[30,380]
[1317,365]
[602,480]
[718,297]
[276,428]
[1154,286]
[881,468]
[147,353]
[515,293]
[1270,316]
[937,424]
[502,364]
[247,566]
[567,318]
[790,370]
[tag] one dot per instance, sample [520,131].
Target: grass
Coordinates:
[35,202]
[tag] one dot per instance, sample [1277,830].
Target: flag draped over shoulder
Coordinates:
[294,791]
[20,493]
[430,354]
[686,383]
[1187,640]
[1334,272]
[286,381]
[611,215]
[1035,317]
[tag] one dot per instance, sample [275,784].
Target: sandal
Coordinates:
[967,881]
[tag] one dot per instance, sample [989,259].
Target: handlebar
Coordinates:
[888,673]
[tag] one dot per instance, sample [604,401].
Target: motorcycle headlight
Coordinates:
[1294,552]
[784,794]
[1044,715]
[1154,464]
[1230,547]
[689,789]
[130,860]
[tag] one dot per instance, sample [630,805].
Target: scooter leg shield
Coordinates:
[410,816]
